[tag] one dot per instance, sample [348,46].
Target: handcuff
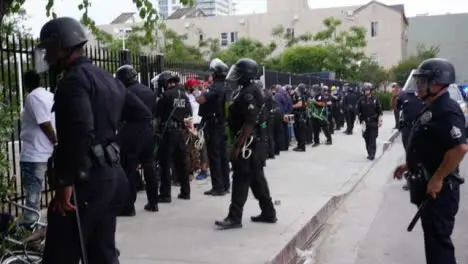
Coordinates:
[200,141]
[246,150]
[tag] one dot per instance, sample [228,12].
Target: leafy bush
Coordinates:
[385,99]
[7,120]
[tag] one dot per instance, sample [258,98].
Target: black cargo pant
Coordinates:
[438,220]
[350,116]
[320,125]
[309,138]
[300,130]
[370,137]
[217,155]
[279,134]
[249,173]
[173,151]
[137,146]
[287,137]
[100,200]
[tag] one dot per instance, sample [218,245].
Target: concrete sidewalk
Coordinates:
[306,188]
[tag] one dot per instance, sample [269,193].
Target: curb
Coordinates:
[314,225]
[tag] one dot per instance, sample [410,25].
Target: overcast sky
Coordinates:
[104,11]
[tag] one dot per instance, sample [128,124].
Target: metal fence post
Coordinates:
[125,57]
[144,70]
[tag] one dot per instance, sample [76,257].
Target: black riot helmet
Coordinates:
[62,33]
[316,89]
[58,40]
[127,75]
[244,71]
[436,71]
[218,69]
[301,88]
[367,87]
[166,77]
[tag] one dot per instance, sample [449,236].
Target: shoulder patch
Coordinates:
[455,132]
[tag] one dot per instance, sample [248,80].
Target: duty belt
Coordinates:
[173,125]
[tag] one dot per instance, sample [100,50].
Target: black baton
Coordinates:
[422,206]
[418,214]
[84,256]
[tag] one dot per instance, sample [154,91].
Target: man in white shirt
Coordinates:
[38,138]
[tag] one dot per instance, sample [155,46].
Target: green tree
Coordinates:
[372,72]
[146,11]
[174,48]
[288,38]
[304,59]
[246,48]
[400,72]
[345,48]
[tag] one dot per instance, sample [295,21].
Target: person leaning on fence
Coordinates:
[38,137]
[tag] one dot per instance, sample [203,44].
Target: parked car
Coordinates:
[453,90]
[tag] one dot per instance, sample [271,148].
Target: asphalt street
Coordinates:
[370,228]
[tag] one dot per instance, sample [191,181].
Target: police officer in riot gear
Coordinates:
[137,143]
[329,99]
[350,101]
[435,150]
[274,120]
[409,106]
[369,112]
[299,103]
[320,116]
[246,154]
[89,106]
[173,110]
[212,111]
[336,108]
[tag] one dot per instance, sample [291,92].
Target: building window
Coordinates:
[374,28]
[374,58]
[233,36]
[224,39]
[200,38]
[290,32]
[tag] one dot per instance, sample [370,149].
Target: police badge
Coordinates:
[425,117]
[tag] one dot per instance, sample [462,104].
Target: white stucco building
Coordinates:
[386,26]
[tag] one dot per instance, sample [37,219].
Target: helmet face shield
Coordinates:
[233,74]
[40,63]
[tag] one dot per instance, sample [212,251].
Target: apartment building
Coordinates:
[386,26]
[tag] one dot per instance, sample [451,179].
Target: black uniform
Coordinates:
[213,119]
[336,109]
[321,124]
[172,109]
[273,109]
[349,108]
[437,130]
[137,145]
[410,107]
[245,113]
[299,121]
[369,111]
[89,105]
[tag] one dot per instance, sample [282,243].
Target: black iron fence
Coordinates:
[16,57]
